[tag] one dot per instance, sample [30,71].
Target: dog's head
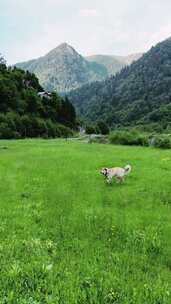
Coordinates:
[104,171]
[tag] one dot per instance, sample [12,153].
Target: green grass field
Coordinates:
[68,237]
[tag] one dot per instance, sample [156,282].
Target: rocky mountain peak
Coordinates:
[64,48]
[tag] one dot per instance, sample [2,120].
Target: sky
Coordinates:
[31,28]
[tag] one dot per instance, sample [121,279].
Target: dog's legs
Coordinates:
[120,179]
[109,179]
[117,180]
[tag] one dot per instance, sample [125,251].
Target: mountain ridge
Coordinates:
[114,63]
[63,69]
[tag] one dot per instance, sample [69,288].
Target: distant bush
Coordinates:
[168,129]
[90,129]
[131,137]
[100,139]
[102,128]
[135,137]
[64,131]
[162,141]
[150,128]
[99,128]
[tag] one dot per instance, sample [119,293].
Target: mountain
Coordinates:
[140,93]
[63,69]
[114,64]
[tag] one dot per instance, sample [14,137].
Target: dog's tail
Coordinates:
[127,169]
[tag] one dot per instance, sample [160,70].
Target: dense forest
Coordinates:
[139,94]
[26,113]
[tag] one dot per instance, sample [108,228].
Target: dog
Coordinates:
[117,172]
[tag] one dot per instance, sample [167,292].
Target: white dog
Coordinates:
[117,172]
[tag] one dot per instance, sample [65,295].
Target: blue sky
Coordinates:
[30,28]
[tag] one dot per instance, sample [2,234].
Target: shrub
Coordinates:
[64,131]
[51,129]
[151,127]
[5,131]
[131,137]
[135,137]
[102,128]
[100,139]
[162,141]
[90,129]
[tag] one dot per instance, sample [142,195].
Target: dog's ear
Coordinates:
[103,171]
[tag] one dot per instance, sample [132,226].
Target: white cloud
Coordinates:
[32,28]
[89,13]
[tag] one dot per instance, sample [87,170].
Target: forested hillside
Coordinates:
[24,113]
[140,93]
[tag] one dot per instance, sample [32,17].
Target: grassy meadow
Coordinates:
[68,237]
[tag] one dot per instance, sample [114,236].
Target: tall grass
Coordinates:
[68,237]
